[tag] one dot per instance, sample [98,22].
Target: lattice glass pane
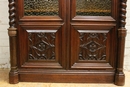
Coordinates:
[93,7]
[41,7]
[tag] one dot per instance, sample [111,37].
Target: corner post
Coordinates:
[120,76]
[12,32]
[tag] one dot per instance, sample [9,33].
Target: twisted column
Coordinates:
[123,13]
[12,14]
[120,77]
[12,31]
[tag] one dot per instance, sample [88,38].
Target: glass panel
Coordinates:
[41,7]
[93,7]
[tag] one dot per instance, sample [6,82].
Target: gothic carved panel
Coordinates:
[41,46]
[92,46]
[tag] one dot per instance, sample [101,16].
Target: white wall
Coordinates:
[4,40]
[127,46]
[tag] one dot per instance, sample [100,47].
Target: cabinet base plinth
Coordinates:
[65,76]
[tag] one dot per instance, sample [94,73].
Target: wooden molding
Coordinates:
[12,32]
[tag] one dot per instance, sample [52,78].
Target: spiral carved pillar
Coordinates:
[120,77]
[12,31]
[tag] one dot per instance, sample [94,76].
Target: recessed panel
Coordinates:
[41,7]
[41,45]
[93,7]
[92,46]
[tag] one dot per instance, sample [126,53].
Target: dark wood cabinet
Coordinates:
[67,41]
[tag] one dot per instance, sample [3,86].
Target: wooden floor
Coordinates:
[4,82]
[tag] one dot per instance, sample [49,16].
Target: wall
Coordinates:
[4,42]
[127,46]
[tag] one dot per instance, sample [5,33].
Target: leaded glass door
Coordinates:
[42,33]
[92,33]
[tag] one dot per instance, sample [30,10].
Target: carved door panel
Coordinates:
[41,33]
[93,33]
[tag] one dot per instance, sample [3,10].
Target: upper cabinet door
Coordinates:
[41,10]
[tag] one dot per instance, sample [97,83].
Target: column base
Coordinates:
[120,79]
[13,77]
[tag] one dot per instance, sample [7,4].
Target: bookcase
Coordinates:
[79,41]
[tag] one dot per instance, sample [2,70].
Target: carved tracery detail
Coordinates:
[92,46]
[41,46]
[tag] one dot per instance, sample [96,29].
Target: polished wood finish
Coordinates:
[67,48]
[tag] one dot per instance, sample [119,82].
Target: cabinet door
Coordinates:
[41,31]
[93,34]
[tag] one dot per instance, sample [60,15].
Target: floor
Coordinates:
[4,82]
